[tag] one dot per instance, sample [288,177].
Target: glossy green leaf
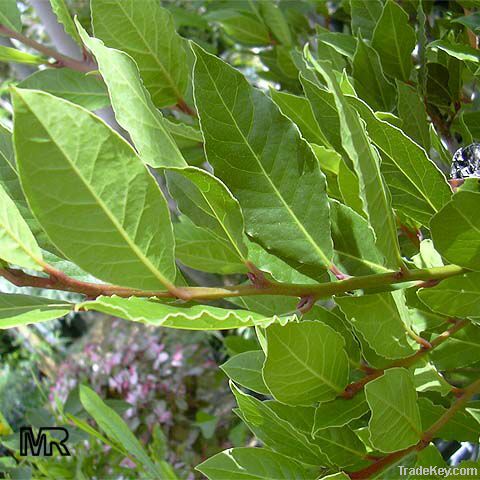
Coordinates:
[366,161]
[277,433]
[370,82]
[299,111]
[365,16]
[428,379]
[203,250]
[317,363]
[253,464]
[133,106]
[60,8]
[394,39]
[350,189]
[173,315]
[8,54]
[161,58]
[461,427]
[209,204]
[10,15]
[380,319]
[456,297]
[271,172]
[355,252]
[16,310]
[395,423]
[456,230]
[246,370]
[418,187]
[17,243]
[97,194]
[339,412]
[116,429]
[85,90]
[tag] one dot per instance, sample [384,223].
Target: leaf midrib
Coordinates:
[325,260]
[105,209]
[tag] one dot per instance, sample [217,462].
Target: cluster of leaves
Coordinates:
[323,188]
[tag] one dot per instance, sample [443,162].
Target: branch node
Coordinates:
[305,304]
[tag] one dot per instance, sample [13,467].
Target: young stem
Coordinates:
[62,60]
[321,290]
[427,436]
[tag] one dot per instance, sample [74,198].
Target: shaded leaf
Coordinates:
[60,8]
[365,16]
[10,15]
[394,39]
[456,230]
[84,90]
[246,370]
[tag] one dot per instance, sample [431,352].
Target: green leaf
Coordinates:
[470,21]
[317,363]
[76,87]
[276,21]
[278,172]
[16,310]
[438,92]
[60,8]
[373,191]
[115,428]
[277,433]
[456,230]
[370,82]
[161,57]
[353,241]
[456,297]
[339,412]
[77,202]
[299,111]
[133,106]
[456,50]
[209,204]
[461,350]
[8,54]
[203,250]
[394,39]
[246,370]
[341,42]
[395,423]
[325,112]
[350,189]
[418,187]
[380,319]
[411,110]
[242,25]
[10,15]
[329,164]
[427,379]
[173,315]
[459,428]
[365,16]
[253,464]
[17,243]
[340,444]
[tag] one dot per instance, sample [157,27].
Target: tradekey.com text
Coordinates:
[435,471]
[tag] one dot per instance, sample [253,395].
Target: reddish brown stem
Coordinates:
[355,387]
[185,108]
